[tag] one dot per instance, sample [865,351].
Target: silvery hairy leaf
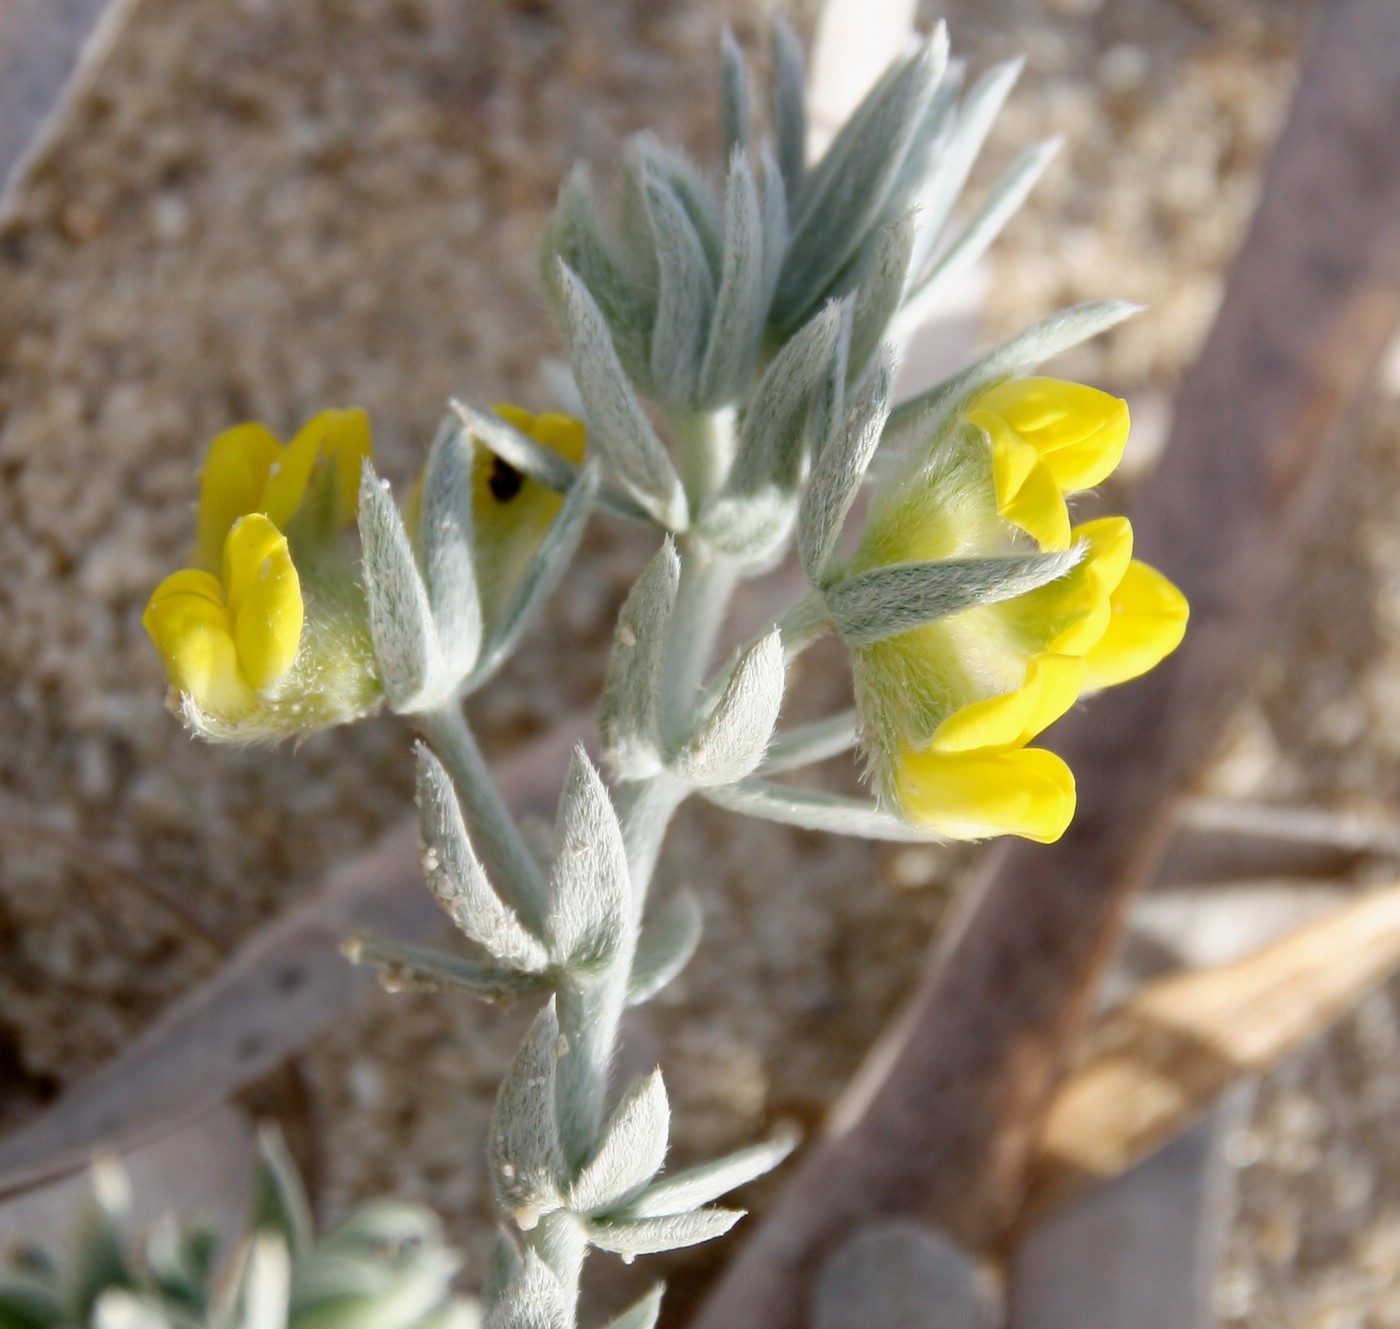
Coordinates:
[532,1299]
[839,472]
[668,940]
[457,879]
[742,302]
[789,106]
[690,187]
[619,430]
[948,173]
[731,740]
[1000,206]
[684,1191]
[400,616]
[849,189]
[734,95]
[550,563]
[808,744]
[772,444]
[445,546]
[262,1287]
[577,236]
[278,1201]
[526,1157]
[590,886]
[685,299]
[814,810]
[646,1236]
[404,967]
[640,1314]
[775,224]
[829,403]
[752,529]
[1025,352]
[630,1150]
[881,291]
[629,711]
[886,601]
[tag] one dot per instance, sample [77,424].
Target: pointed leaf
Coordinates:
[731,741]
[789,105]
[629,710]
[742,303]
[839,472]
[527,1160]
[590,890]
[620,432]
[403,967]
[278,1203]
[551,561]
[640,1314]
[690,187]
[880,292]
[445,544]
[775,225]
[533,1299]
[400,616]
[668,940]
[630,1151]
[458,880]
[685,1191]
[734,95]
[685,297]
[646,1236]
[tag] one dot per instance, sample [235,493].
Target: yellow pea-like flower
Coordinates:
[226,640]
[247,470]
[1147,620]
[1049,438]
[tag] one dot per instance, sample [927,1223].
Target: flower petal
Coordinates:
[1026,491]
[264,599]
[968,795]
[1147,623]
[231,485]
[348,447]
[1052,685]
[191,627]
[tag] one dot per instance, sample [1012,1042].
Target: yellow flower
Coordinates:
[948,710]
[226,641]
[511,512]
[247,470]
[1048,438]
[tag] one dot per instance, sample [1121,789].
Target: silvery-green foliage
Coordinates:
[629,719]
[734,95]
[618,429]
[400,615]
[445,549]
[929,412]
[531,1297]
[641,1314]
[630,1237]
[589,885]
[847,196]
[459,881]
[668,939]
[697,1186]
[527,1159]
[552,560]
[816,810]
[789,105]
[685,298]
[839,472]
[899,597]
[404,967]
[731,740]
[880,291]
[385,1267]
[629,1152]
[741,302]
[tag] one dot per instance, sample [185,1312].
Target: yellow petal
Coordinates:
[562,433]
[348,447]
[969,795]
[264,599]
[291,473]
[1026,491]
[192,629]
[1052,685]
[1079,432]
[231,485]
[1147,623]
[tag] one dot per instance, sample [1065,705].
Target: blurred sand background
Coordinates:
[265,207]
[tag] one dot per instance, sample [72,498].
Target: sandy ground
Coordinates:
[264,208]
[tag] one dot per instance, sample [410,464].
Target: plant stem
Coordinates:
[513,868]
